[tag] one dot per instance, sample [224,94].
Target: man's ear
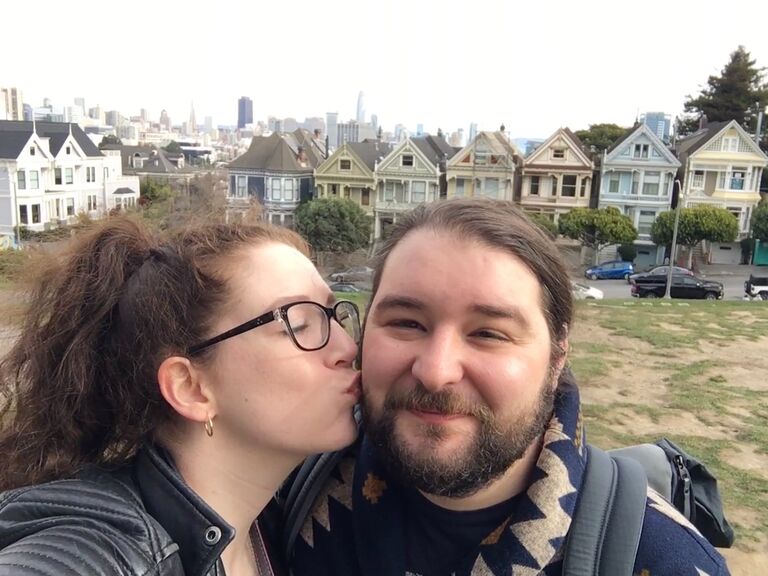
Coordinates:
[184,388]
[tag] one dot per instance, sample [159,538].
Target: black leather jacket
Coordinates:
[139,520]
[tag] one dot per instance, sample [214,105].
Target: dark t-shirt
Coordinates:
[438,539]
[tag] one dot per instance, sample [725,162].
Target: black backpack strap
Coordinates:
[606,525]
[306,485]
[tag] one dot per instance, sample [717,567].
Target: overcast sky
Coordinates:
[535,66]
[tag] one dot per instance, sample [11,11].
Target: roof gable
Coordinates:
[562,138]
[393,161]
[714,140]
[333,164]
[491,148]
[651,149]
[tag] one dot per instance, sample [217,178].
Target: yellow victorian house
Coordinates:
[488,166]
[722,166]
[350,172]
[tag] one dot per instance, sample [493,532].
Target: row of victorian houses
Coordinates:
[51,172]
[718,165]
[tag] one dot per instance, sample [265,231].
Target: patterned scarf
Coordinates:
[361,504]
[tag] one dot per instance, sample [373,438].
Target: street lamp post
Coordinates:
[676,186]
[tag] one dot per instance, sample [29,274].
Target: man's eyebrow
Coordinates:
[390,302]
[509,313]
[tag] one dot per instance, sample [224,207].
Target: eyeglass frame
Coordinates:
[279,314]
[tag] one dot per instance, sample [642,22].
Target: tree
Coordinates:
[545,223]
[732,95]
[699,223]
[597,228]
[333,225]
[110,140]
[759,221]
[601,136]
[173,147]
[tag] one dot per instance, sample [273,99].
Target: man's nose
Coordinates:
[439,360]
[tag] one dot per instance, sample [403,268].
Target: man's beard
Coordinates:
[494,448]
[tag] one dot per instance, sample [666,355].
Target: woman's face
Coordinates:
[269,393]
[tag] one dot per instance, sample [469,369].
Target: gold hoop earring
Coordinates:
[209,427]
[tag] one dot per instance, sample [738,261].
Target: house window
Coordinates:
[584,184]
[407,160]
[90,174]
[68,176]
[34,180]
[23,218]
[554,186]
[91,202]
[418,192]
[345,164]
[698,179]
[288,189]
[32,151]
[241,187]
[35,213]
[737,178]
[558,153]
[535,185]
[22,179]
[635,183]
[389,191]
[57,175]
[730,144]
[569,186]
[365,197]
[276,188]
[640,151]
[613,184]
[70,206]
[288,220]
[481,158]
[651,183]
[69,150]
[459,187]
[645,222]
[399,193]
[491,188]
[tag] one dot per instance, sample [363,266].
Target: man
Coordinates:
[473,450]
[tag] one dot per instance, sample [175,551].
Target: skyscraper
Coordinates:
[11,105]
[659,123]
[331,125]
[419,130]
[192,125]
[244,111]
[360,108]
[472,132]
[375,122]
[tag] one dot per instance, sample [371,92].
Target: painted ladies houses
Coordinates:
[557,176]
[50,172]
[636,176]
[487,166]
[722,166]
[350,172]
[277,171]
[413,173]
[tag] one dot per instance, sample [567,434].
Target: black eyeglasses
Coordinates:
[307,323]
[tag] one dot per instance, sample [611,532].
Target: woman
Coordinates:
[160,392]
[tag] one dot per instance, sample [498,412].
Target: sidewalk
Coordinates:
[742,270]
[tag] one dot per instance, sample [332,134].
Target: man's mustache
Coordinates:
[444,402]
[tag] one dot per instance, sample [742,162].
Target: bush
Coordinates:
[12,263]
[627,252]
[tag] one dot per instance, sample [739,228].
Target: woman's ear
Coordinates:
[184,387]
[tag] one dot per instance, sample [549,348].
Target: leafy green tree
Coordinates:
[334,225]
[759,221]
[154,191]
[110,140]
[173,147]
[732,95]
[597,228]
[699,223]
[546,224]
[627,252]
[601,136]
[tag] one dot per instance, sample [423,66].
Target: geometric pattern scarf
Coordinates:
[361,503]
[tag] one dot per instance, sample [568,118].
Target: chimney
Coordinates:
[317,133]
[703,121]
[302,154]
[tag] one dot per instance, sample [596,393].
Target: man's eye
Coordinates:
[405,324]
[491,335]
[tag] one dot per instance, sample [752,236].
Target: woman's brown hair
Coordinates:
[79,386]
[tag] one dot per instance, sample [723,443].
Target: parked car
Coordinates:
[662,271]
[584,292]
[611,269]
[683,286]
[343,287]
[756,288]
[356,274]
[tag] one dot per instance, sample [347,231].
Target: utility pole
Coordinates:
[676,186]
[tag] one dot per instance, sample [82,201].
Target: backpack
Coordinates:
[607,523]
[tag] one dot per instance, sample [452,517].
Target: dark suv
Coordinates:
[689,287]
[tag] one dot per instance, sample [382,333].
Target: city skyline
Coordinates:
[532,68]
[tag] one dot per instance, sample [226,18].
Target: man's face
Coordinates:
[457,374]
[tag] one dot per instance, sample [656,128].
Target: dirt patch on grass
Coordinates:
[745,457]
